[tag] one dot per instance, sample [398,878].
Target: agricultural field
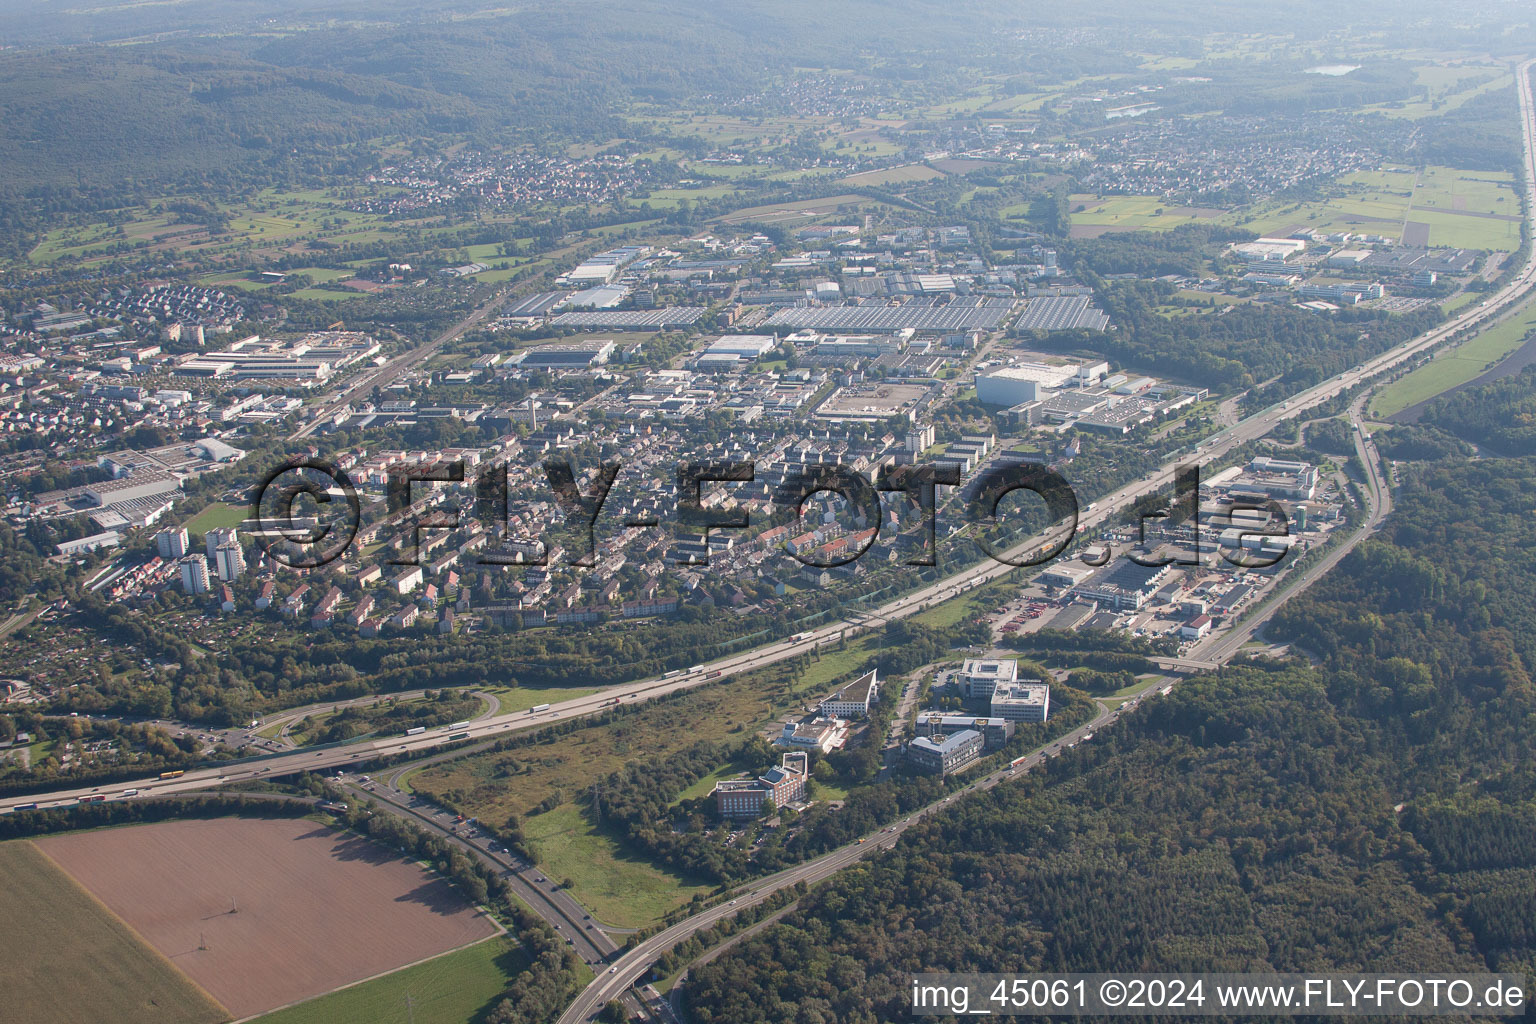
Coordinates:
[245,282]
[100,238]
[964,165]
[1456,366]
[1093,216]
[77,960]
[456,988]
[788,213]
[730,171]
[1449,87]
[903,175]
[273,222]
[1155,62]
[265,913]
[1464,209]
[670,198]
[1025,103]
[725,131]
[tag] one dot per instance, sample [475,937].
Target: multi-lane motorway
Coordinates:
[626,970]
[631,967]
[1251,428]
[527,882]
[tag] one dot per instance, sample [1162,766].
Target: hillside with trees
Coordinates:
[1372,811]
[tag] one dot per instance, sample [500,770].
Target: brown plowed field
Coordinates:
[313,909]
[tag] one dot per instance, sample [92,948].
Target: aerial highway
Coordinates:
[1254,426]
[631,967]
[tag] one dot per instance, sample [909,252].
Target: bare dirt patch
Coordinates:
[263,913]
[66,958]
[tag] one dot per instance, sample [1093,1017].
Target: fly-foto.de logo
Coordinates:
[308,514]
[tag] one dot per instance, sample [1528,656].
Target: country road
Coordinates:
[633,965]
[1229,645]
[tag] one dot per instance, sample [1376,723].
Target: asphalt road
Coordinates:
[632,967]
[632,964]
[542,894]
[1219,647]
[386,374]
[287,719]
[1255,426]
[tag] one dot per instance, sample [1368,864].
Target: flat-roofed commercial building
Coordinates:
[924,316]
[1123,586]
[857,346]
[106,539]
[784,785]
[1022,382]
[824,734]
[630,319]
[980,676]
[311,358]
[1278,478]
[143,483]
[1025,701]
[565,356]
[747,346]
[949,754]
[994,731]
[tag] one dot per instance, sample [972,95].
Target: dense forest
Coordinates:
[1374,810]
